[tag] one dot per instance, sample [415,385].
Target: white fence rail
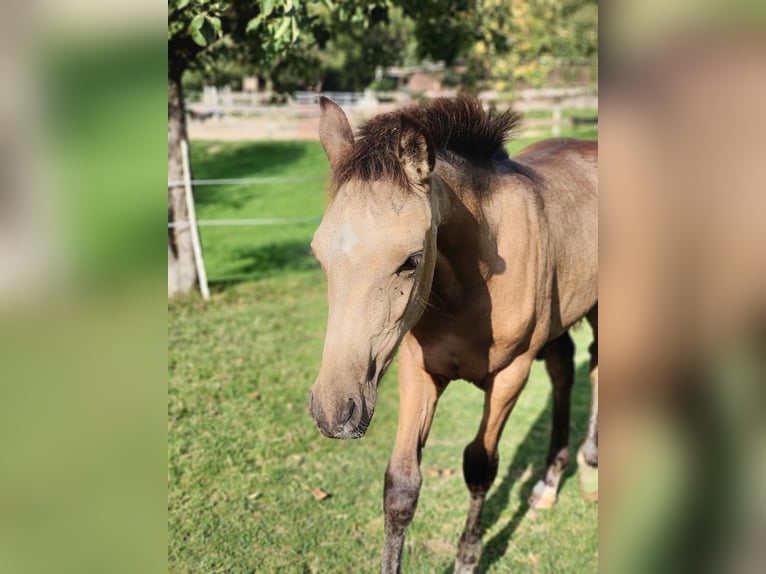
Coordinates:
[248,180]
[219,101]
[247,222]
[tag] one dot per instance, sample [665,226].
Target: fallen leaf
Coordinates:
[436,471]
[253,495]
[320,494]
[255,395]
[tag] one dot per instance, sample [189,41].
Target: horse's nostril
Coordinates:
[350,407]
[371,370]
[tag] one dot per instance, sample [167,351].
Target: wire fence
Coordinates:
[245,221]
[256,221]
[247,180]
[553,101]
[192,224]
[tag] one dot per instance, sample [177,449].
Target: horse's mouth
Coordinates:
[354,422]
[360,429]
[350,429]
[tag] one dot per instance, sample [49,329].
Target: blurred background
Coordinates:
[122,412]
[248,303]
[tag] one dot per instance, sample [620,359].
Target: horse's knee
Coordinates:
[479,467]
[400,497]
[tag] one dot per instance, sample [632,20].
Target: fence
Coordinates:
[284,121]
[194,224]
[553,101]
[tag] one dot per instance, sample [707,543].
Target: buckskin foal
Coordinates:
[474,262]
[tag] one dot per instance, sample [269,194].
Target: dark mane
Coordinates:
[458,125]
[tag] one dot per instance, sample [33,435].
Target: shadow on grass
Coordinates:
[268,260]
[532,450]
[224,160]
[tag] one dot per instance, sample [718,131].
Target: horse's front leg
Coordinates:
[418,394]
[480,456]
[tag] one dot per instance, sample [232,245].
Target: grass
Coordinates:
[243,454]
[234,254]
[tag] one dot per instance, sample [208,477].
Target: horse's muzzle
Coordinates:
[346,417]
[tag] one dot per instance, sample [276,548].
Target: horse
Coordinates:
[471,264]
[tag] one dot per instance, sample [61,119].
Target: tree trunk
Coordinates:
[182,273]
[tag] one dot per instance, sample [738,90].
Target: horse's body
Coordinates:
[519,281]
[435,240]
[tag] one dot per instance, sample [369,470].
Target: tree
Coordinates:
[192,25]
[530,40]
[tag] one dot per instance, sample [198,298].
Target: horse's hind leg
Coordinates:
[587,456]
[480,456]
[559,362]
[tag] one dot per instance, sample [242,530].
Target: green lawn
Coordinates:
[243,454]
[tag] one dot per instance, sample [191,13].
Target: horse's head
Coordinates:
[377,246]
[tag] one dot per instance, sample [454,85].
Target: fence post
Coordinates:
[194,229]
[556,129]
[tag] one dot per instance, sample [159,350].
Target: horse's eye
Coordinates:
[411,263]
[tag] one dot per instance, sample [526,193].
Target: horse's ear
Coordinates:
[416,151]
[334,131]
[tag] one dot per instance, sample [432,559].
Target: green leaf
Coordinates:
[283,26]
[215,22]
[253,24]
[208,31]
[197,22]
[267,7]
[198,38]
[181,4]
[296,31]
[202,31]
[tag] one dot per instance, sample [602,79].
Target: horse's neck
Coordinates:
[465,241]
[453,198]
